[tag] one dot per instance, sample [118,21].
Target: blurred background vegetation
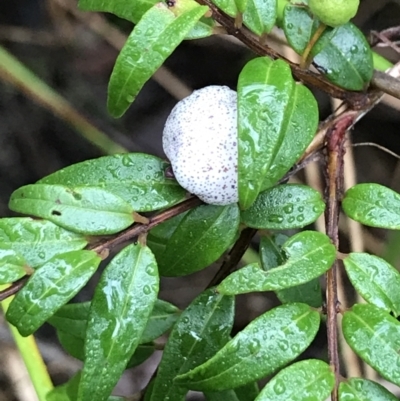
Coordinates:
[58,117]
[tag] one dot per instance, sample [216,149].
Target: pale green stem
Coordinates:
[14,72]
[32,358]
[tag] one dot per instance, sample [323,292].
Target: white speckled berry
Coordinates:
[200,140]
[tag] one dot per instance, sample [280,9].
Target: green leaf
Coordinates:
[201,237]
[202,29]
[160,235]
[126,9]
[50,287]
[37,241]
[309,254]
[72,319]
[344,56]
[227,6]
[374,335]
[68,391]
[284,207]
[299,27]
[84,210]
[121,307]
[203,328]
[153,39]
[75,347]
[272,255]
[241,5]
[266,344]
[310,380]
[356,389]
[376,280]
[12,265]
[137,178]
[245,393]
[373,205]
[277,119]
[260,15]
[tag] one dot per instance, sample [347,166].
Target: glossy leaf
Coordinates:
[75,347]
[299,27]
[272,255]
[266,344]
[277,120]
[344,56]
[356,389]
[375,336]
[12,265]
[72,319]
[159,236]
[203,328]
[202,29]
[85,210]
[120,309]
[284,207]
[310,380]
[373,205]
[201,237]
[50,287]
[126,9]
[245,393]
[260,15]
[376,280]
[309,254]
[153,39]
[137,178]
[68,391]
[37,241]
[227,6]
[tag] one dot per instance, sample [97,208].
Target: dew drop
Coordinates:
[279,387]
[288,208]
[147,290]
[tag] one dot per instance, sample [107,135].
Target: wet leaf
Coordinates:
[50,287]
[344,56]
[75,347]
[121,307]
[356,389]
[245,393]
[299,27]
[227,6]
[284,207]
[376,280]
[137,178]
[260,15]
[37,241]
[272,255]
[126,9]
[374,335]
[203,328]
[85,210]
[309,254]
[68,391]
[310,380]
[266,344]
[153,39]
[201,237]
[373,205]
[12,265]
[72,319]
[277,119]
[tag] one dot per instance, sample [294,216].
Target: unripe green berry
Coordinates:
[334,12]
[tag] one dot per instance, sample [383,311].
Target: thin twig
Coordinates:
[13,288]
[334,192]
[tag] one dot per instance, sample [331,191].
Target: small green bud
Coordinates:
[334,12]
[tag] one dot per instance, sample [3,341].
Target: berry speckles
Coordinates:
[200,140]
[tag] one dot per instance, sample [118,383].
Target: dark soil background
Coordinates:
[76,62]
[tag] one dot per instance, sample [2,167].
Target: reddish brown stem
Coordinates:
[335,140]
